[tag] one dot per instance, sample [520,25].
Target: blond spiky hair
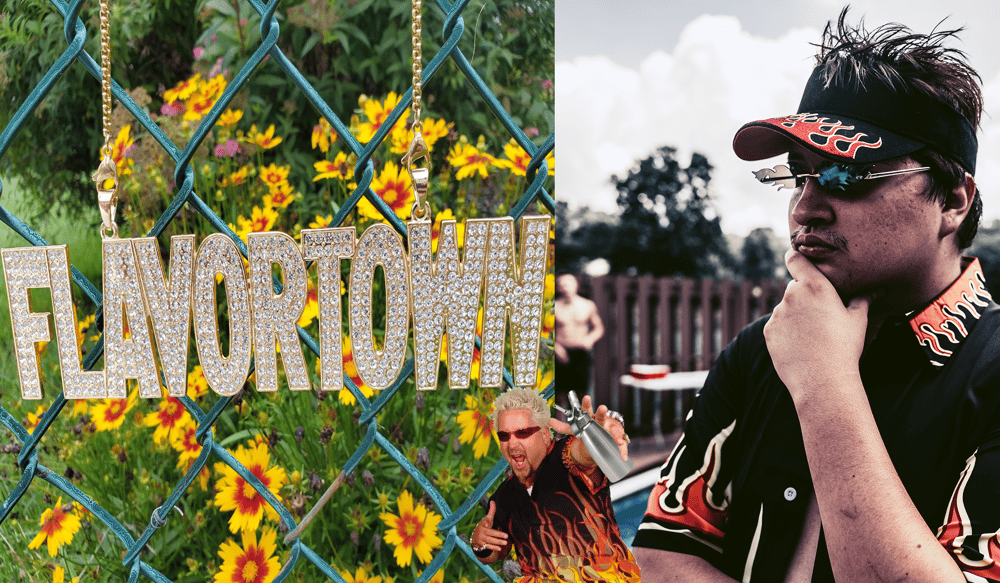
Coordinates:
[529,399]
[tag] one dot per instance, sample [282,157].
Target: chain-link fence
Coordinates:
[186,198]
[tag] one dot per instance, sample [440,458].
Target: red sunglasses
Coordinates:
[520,433]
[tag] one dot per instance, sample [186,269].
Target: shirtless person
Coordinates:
[578,327]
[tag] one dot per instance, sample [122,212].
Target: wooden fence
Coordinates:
[684,323]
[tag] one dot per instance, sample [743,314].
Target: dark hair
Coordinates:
[910,62]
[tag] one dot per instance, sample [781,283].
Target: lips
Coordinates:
[518,460]
[814,246]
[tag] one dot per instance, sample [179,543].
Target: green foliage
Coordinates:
[151,42]
[345,50]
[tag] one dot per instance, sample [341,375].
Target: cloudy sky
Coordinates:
[637,74]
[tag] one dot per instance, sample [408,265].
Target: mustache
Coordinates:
[835,239]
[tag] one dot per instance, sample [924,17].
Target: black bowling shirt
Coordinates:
[736,487]
[565,529]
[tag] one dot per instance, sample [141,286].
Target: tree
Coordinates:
[759,260]
[668,224]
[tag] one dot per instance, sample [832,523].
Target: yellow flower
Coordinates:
[261,219]
[477,427]
[236,494]
[229,117]
[322,135]
[59,575]
[182,90]
[393,185]
[279,196]
[377,114]
[321,222]
[109,414]
[339,168]
[122,146]
[438,577]
[235,178]
[252,563]
[58,528]
[469,160]
[517,160]
[215,86]
[432,131]
[197,385]
[185,442]
[274,176]
[361,575]
[413,531]
[265,140]
[169,420]
[34,418]
[198,105]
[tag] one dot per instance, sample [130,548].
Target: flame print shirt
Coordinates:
[565,529]
[735,490]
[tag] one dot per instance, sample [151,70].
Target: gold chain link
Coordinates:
[417,68]
[106,69]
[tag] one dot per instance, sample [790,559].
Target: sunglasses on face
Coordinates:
[520,433]
[831,176]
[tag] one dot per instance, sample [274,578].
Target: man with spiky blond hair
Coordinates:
[556,506]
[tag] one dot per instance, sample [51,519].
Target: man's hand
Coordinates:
[486,535]
[814,340]
[601,417]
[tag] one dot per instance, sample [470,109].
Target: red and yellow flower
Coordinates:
[322,135]
[265,140]
[120,150]
[280,196]
[199,104]
[469,160]
[431,132]
[393,186]
[261,219]
[378,112]
[109,414]
[253,562]
[338,168]
[182,90]
[197,384]
[237,495]
[412,531]
[169,420]
[58,528]
[477,426]
[229,118]
[274,175]
[517,160]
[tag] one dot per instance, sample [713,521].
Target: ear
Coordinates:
[957,205]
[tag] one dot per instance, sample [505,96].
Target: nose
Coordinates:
[810,205]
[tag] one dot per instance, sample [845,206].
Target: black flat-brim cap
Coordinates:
[871,124]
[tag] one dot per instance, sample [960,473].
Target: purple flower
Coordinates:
[198,52]
[227,150]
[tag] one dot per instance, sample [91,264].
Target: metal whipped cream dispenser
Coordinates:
[599,443]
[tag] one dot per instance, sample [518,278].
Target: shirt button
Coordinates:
[790,493]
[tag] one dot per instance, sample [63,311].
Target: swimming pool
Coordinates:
[629,498]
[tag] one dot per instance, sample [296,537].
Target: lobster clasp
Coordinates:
[419,177]
[106,178]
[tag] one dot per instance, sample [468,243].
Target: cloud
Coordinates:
[717,78]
